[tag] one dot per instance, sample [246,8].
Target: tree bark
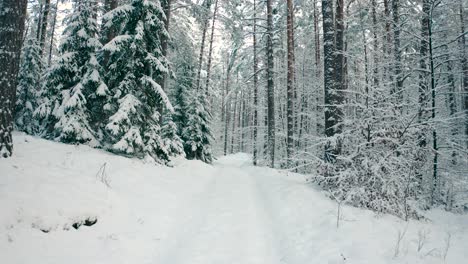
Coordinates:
[52,36]
[270,85]
[210,52]
[375,46]
[319,96]
[12,18]
[398,90]
[332,74]
[206,7]
[423,56]
[464,63]
[435,176]
[164,38]
[387,39]
[44,23]
[255,81]
[290,82]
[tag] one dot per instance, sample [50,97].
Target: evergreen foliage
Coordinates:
[74,80]
[197,134]
[28,86]
[135,63]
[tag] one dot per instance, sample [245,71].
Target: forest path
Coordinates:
[226,222]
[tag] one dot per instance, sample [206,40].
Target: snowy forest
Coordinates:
[365,99]
[234,131]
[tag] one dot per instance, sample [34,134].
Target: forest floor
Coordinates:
[229,212]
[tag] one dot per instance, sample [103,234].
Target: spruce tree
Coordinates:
[197,134]
[28,86]
[135,63]
[74,82]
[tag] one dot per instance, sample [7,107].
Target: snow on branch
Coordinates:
[159,91]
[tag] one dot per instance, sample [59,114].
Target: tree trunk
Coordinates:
[387,39]
[332,74]
[270,85]
[290,82]
[12,18]
[210,52]
[464,63]
[44,23]
[227,107]
[423,54]
[234,121]
[52,36]
[435,176]
[375,46]
[39,21]
[164,38]
[166,5]
[255,94]
[319,98]
[207,5]
[398,90]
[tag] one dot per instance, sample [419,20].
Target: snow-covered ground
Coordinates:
[194,213]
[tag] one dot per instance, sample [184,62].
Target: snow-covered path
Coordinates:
[226,213]
[225,223]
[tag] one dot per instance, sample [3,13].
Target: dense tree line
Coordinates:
[370,97]
[104,83]
[367,96]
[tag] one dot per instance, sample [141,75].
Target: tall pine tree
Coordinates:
[74,82]
[135,63]
[28,86]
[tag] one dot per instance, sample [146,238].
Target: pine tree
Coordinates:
[74,84]
[184,82]
[28,86]
[135,63]
[197,134]
[172,143]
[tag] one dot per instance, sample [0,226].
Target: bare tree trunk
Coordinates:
[423,54]
[164,37]
[333,74]
[210,52]
[290,82]
[234,121]
[39,20]
[375,44]
[166,5]
[452,102]
[435,176]
[339,53]
[52,36]
[464,63]
[387,38]
[255,94]
[227,107]
[243,118]
[319,99]
[206,11]
[270,85]
[44,23]
[12,18]
[396,51]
